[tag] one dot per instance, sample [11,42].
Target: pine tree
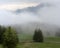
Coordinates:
[2,30]
[38,37]
[0,34]
[10,38]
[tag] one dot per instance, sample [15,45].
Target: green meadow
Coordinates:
[49,42]
[26,42]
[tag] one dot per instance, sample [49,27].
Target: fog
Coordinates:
[48,12]
[26,17]
[9,18]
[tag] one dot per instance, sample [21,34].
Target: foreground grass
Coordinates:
[49,42]
[39,45]
[53,39]
[1,46]
[28,37]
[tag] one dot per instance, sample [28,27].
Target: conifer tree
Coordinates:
[38,37]
[10,38]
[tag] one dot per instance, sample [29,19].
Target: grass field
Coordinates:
[39,45]
[28,37]
[49,42]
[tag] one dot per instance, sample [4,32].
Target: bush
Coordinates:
[10,38]
[38,37]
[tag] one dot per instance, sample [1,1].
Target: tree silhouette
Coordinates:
[38,37]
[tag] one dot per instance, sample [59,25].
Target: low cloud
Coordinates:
[46,11]
[49,12]
[8,18]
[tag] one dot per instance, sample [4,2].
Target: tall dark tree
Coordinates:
[0,34]
[2,30]
[38,37]
[57,34]
[10,38]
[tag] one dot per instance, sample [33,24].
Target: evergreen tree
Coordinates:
[38,37]
[57,34]
[2,30]
[10,38]
[0,34]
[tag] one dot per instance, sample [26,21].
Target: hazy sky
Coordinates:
[47,14]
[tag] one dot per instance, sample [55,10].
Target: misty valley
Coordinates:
[32,34]
[29,23]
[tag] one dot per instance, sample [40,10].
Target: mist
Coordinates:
[9,18]
[47,11]
[45,15]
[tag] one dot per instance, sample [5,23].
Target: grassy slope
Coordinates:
[39,45]
[25,37]
[50,42]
